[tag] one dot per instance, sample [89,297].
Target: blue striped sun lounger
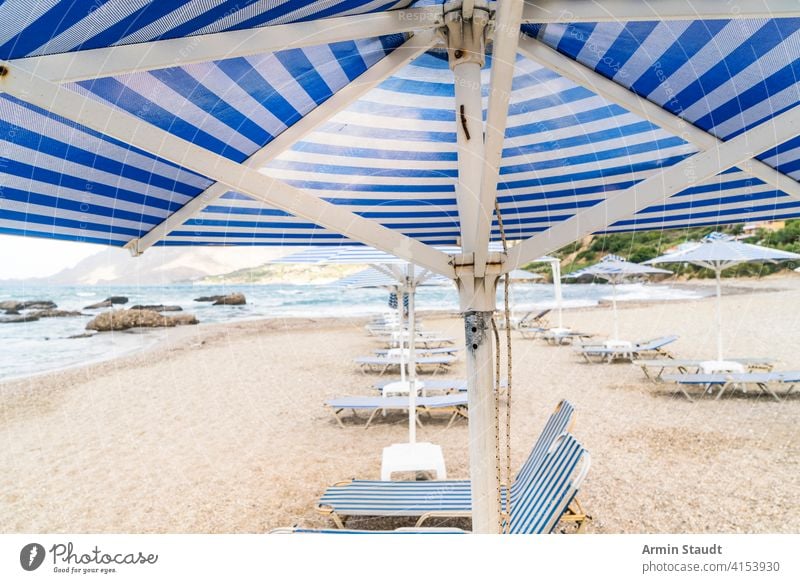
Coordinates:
[636,350]
[455,404]
[764,381]
[440,498]
[427,530]
[383,363]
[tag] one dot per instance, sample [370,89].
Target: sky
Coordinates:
[23,257]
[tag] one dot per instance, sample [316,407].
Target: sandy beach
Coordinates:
[222,428]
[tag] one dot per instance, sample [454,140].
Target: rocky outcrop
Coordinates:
[19,319]
[108,303]
[234,299]
[157,308]
[55,314]
[208,298]
[16,305]
[127,319]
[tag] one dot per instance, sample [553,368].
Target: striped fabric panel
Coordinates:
[538,502]
[724,76]
[374,498]
[559,422]
[64,181]
[391,156]
[60,26]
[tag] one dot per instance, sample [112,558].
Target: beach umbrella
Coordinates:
[615,269]
[403,283]
[719,252]
[403,125]
[522,276]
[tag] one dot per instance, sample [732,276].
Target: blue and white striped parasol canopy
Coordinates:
[238,81]
[397,124]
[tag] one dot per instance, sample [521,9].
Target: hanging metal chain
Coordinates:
[503,519]
[509,384]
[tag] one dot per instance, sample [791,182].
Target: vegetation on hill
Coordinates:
[638,247]
[283,273]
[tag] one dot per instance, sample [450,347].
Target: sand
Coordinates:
[222,428]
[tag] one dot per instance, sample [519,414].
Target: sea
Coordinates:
[45,345]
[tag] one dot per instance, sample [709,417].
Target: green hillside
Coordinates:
[640,247]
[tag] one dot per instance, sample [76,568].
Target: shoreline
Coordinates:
[309,321]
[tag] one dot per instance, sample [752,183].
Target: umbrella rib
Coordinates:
[657,188]
[610,90]
[123,126]
[160,54]
[576,11]
[339,101]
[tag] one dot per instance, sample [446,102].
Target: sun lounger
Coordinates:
[654,368]
[626,351]
[426,530]
[531,320]
[384,363]
[447,498]
[764,381]
[532,332]
[433,341]
[451,350]
[539,496]
[446,385]
[455,405]
[556,337]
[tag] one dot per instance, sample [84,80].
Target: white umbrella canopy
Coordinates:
[522,276]
[389,272]
[616,269]
[719,252]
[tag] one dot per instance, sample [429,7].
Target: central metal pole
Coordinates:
[483,443]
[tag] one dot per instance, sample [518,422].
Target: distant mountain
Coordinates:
[158,266]
[279,273]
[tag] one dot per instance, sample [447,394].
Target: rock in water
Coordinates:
[126,319]
[235,299]
[19,319]
[108,303]
[55,314]
[99,305]
[29,305]
[158,308]
[208,298]
[231,300]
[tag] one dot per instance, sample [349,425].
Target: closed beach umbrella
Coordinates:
[719,252]
[615,269]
